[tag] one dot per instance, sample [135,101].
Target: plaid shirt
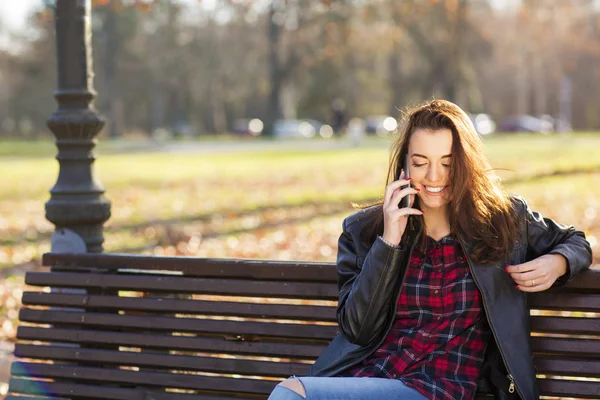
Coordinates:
[438,339]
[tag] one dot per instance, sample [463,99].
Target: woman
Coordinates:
[433,296]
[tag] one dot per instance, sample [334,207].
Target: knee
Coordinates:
[294,385]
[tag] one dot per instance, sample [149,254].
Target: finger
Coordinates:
[536,288]
[532,279]
[404,212]
[531,282]
[520,268]
[392,187]
[400,194]
[527,276]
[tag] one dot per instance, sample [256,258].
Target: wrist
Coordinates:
[388,242]
[560,263]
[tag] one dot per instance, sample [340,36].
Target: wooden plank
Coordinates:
[565,301]
[567,325]
[183,343]
[172,324]
[574,347]
[13,397]
[111,376]
[182,285]
[92,392]
[241,268]
[168,305]
[303,271]
[161,360]
[588,280]
[44,388]
[568,367]
[564,388]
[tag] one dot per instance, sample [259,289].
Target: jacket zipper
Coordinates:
[512,386]
[388,331]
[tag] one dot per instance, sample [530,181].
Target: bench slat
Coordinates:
[586,281]
[183,285]
[573,346]
[82,391]
[167,305]
[153,379]
[206,267]
[241,268]
[171,324]
[197,344]
[158,360]
[568,367]
[565,301]
[574,326]
[564,388]
[11,397]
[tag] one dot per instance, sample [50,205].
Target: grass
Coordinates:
[45,147]
[219,192]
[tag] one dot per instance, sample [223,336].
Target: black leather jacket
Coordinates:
[370,279]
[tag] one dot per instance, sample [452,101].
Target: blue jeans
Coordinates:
[334,388]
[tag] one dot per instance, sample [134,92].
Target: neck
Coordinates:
[437,220]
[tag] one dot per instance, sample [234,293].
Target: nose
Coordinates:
[434,174]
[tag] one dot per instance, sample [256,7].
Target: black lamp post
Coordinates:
[77,201]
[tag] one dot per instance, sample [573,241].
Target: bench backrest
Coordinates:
[145,327]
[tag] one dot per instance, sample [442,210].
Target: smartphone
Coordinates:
[405,202]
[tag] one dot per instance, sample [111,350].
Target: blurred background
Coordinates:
[240,128]
[190,68]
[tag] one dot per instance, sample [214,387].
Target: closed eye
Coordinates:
[420,165]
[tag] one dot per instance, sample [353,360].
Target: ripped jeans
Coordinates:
[334,388]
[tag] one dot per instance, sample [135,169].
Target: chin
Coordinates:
[434,203]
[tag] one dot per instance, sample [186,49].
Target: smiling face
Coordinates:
[430,152]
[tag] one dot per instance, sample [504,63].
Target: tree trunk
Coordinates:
[275,72]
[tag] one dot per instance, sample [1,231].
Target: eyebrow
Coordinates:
[425,157]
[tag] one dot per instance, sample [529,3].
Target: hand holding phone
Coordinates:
[396,209]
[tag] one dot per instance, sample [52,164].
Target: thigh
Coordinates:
[321,388]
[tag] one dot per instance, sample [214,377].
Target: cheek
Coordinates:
[418,174]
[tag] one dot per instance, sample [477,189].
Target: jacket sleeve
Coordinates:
[365,292]
[545,236]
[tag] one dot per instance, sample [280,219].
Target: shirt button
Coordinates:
[436,291]
[393,375]
[438,318]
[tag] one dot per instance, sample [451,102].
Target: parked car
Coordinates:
[248,127]
[380,125]
[300,128]
[483,123]
[526,123]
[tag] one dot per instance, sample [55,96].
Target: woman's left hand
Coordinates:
[538,274]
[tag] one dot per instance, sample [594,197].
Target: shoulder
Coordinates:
[362,217]
[519,204]
[522,213]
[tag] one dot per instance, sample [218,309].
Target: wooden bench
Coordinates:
[141,327]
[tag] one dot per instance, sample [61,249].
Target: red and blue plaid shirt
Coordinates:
[439,336]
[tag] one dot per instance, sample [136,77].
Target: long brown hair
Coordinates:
[480,211]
